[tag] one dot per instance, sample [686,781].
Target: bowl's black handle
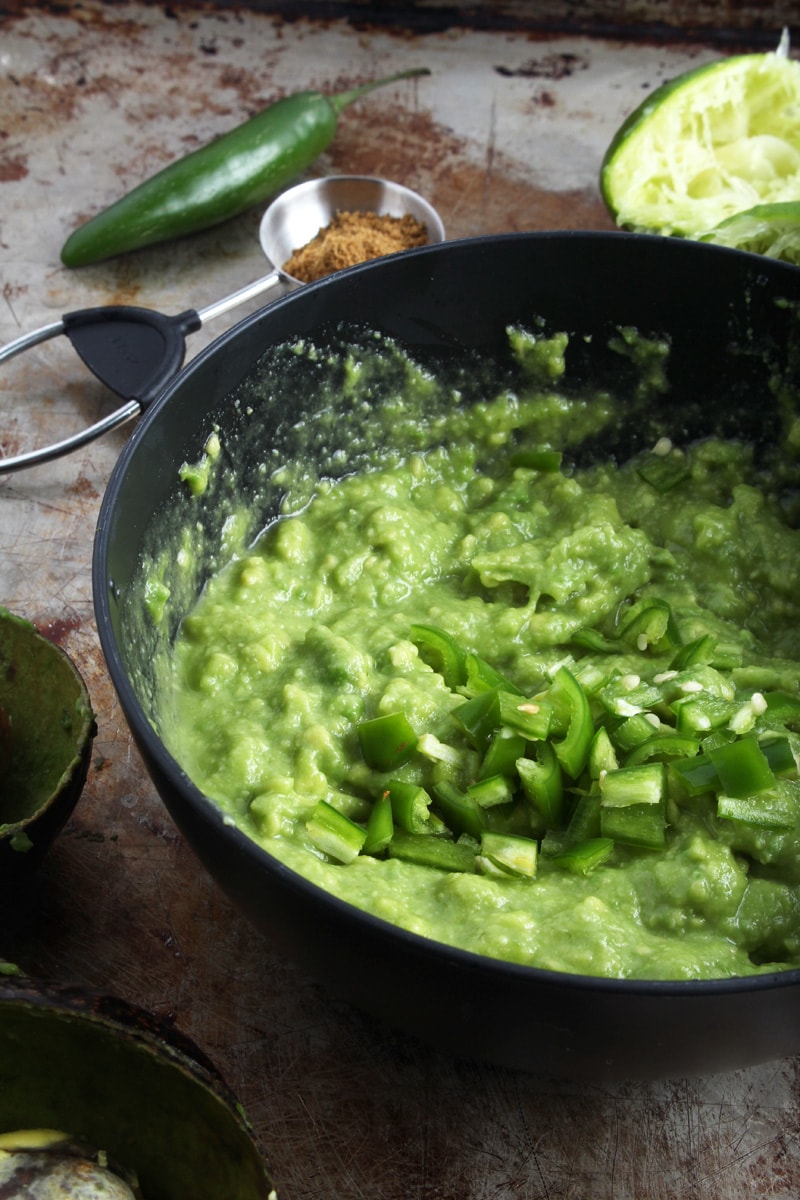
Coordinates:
[134,351]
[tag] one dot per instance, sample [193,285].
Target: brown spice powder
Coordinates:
[354,237]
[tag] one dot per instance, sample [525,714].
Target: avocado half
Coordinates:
[47,729]
[112,1077]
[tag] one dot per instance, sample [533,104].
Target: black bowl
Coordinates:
[732,320]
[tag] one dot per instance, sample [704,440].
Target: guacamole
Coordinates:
[534,704]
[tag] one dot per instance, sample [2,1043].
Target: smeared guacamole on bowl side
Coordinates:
[485,557]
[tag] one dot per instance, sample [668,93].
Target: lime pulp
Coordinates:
[717,141]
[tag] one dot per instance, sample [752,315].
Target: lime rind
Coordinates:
[720,139]
[769,229]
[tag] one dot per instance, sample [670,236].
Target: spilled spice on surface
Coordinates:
[351,238]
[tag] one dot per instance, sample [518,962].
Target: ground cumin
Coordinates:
[354,237]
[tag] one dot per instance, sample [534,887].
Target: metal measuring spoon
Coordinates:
[136,351]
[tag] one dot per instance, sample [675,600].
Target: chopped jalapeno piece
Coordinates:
[493,790]
[410,806]
[335,834]
[429,851]
[774,808]
[542,783]
[633,805]
[695,775]
[778,753]
[387,742]
[572,750]
[479,717]
[700,650]
[584,824]
[634,730]
[663,746]
[441,652]
[783,707]
[664,471]
[531,718]
[742,768]
[482,677]
[700,713]
[539,459]
[633,785]
[585,856]
[648,623]
[602,755]
[592,639]
[627,695]
[510,854]
[502,753]
[460,811]
[380,826]
[636,825]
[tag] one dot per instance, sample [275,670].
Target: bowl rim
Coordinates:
[206,809]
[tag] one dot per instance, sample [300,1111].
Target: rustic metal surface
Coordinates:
[506,134]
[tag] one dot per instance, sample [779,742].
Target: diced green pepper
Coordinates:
[410,806]
[542,784]
[482,677]
[335,834]
[663,746]
[531,718]
[649,623]
[460,811]
[502,752]
[430,747]
[778,753]
[643,784]
[541,458]
[695,775]
[774,808]
[664,471]
[633,805]
[592,639]
[583,857]
[495,789]
[633,731]
[742,768]
[479,717]
[783,707]
[602,755]
[428,851]
[510,854]
[637,825]
[627,695]
[380,826]
[702,712]
[441,652]
[699,651]
[584,824]
[572,750]
[387,742]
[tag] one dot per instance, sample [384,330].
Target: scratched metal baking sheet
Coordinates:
[507,133]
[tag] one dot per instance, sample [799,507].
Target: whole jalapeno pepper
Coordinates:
[233,173]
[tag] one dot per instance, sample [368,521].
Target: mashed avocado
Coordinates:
[596,666]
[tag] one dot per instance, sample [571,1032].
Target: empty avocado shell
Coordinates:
[46,732]
[46,1164]
[133,1095]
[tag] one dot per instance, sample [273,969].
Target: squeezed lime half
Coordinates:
[769,229]
[712,143]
